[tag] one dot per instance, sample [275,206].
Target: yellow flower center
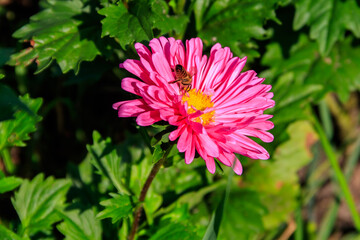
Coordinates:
[197,100]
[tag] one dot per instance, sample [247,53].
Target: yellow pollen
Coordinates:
[197,100]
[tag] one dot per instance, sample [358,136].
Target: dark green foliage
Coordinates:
[10,103]
[86,185]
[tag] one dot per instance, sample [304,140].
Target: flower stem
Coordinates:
[9,165]
[338,173]
[144,190]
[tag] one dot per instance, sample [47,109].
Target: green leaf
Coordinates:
[79,225]
[175,225]
[328,20]
[9,183]
[213,228]
[174,231]
[234,23]
[65,31]
[117,208]
[1,76]
[107,161]
[6,234]
[138,21]
[118,23]
[338,72]
[281,187]
[10,103]
[35,203]
[306,77]
[15,132]
[243,215]
[161,19]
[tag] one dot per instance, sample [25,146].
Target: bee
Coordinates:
[182,76]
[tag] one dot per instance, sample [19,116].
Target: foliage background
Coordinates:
[71,169]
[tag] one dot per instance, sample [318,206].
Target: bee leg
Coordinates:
[188,87]
[174,81]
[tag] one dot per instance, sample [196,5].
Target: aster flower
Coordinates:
[216,117]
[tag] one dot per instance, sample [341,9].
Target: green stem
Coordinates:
[339,176]
[299,224]
[144,190]
[9,165]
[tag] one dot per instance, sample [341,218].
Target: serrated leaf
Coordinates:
[9,183]
[328,20]
[10,103]
[235,22]
[161,19]
[6,234]
[138,21]
[79,225]
[64,32]
[106,160]
[15,132]
[35,203]
[117,207]
[174,231]
[118,23]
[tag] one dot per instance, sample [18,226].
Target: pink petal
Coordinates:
[184,139]
[190,152]
[208,145]
[132,85]
[131,108]
[210,164]
[176,133]
[148,118]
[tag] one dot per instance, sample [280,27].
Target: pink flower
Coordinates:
[216,117]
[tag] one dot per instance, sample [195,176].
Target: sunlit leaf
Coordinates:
[65,31]
[136,23]
[117,207]
[9,183]
[305,76]
[277,179]
[234,23]
[79,225]
[338,72]
[107,161]
[6,234]
[15,132]
[243,215]
[174,231]
[35,203]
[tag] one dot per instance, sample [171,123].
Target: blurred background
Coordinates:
[59,77]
